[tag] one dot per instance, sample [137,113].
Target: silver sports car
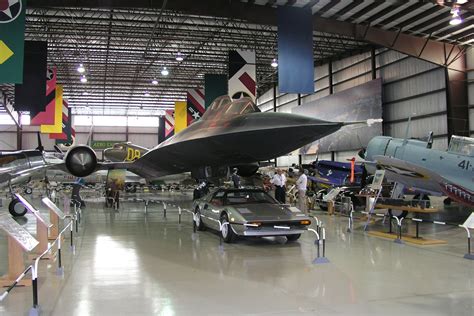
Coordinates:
[248,212]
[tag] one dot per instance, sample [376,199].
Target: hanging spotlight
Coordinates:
[274,63]
[85,93]
[456,19]
[165,72]
[179,56]
[154,81]
[83,79]
[81,69]
[147,94]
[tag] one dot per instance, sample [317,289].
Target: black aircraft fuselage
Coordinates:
[232,134]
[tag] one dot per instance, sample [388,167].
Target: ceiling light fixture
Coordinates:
[456,19]
[274,63]
[147,94]
[179,56]
[165,72]
[83,79]
[154,81]
[81,69]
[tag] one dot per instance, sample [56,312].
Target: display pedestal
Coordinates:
[54,230]
[16,265]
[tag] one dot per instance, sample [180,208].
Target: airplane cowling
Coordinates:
[81,161]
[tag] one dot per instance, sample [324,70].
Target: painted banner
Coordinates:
[295,50]
[169,123]
[195,104]
[65,123]
[46,117]
[12,38]
[214,86]
[355,104]
[242,74]
[161,129]
[58,114]
[29,95]
[180,116]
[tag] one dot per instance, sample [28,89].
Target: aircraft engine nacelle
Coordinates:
[81,161]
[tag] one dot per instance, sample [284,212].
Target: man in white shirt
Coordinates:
[301,184]
[279,181]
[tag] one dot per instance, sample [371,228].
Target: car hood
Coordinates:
[266,211]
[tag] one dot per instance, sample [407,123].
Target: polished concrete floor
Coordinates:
[132,263]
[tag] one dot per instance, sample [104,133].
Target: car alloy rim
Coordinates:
[224,229]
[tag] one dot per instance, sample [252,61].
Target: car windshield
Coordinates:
[247,197]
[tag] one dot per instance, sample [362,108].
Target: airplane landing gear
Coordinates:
[16,209]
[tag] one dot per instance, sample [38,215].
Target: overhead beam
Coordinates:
[444,54]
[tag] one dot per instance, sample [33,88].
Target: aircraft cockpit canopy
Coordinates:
[462,145]
[224,106]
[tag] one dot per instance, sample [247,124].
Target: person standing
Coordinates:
[279,182]
[301,184]
[235,178]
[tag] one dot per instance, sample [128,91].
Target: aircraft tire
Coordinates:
[16,209]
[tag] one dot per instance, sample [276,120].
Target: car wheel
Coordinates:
[291,238]
[16,208]
[226,232]
[199,224]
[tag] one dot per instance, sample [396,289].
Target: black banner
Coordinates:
[31,95]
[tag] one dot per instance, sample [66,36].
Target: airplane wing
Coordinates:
[422,179]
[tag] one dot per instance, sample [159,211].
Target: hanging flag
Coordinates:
[242,74]
[180,116]
[295,50]
[29,95]
[161,129]
[214,86]
[195,104]
[12,38]
[65,122]
[46,117]
[58,110]
[169,123]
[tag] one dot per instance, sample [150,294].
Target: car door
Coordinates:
[212,209]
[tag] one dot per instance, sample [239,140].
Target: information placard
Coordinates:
[33,210]
[50,205]
[17,232]
[469,223]
[378,179]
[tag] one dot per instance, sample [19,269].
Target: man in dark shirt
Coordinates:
[235,178]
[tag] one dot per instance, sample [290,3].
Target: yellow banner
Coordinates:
[180,116]
[57,127]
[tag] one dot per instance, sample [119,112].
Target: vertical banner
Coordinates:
[161,129]
[12,38]
[46,117]
[169,123]
[180,116]
[214,86]
[30,96]
[242,74]
[195,104]
[295,50]
[65,122]
[58,111]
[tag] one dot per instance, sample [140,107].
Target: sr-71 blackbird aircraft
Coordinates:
[414,164]
[229,134]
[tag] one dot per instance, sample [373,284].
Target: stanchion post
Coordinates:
[146,206]
[399,233]
[179,214]
[194,223]
[34,277]
[72,237]
[468,255]
[164,209]
[324,242]
[75,221]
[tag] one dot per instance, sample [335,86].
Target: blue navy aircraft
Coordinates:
[414,164]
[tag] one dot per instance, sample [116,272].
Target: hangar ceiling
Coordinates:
[124,48]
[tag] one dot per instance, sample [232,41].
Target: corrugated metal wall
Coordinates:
[411,87]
